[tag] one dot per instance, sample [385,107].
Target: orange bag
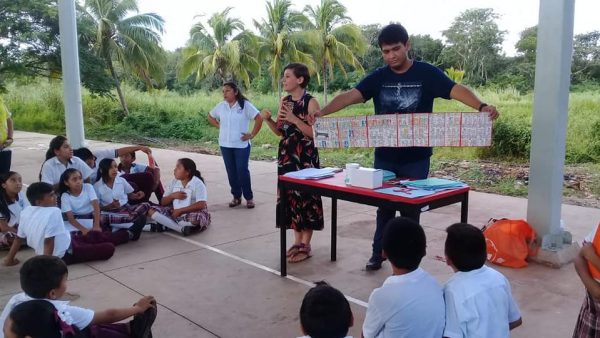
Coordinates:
[509,242]
[596,243]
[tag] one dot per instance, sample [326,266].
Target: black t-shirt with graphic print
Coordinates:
[410,92]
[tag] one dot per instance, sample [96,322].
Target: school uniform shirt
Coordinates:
[39,223]
[234,120]
[119,191]
[52,169]
[195,191]
[72,315]
[15,210]
[409,306]
[479,304]
[79,205]
[100,155]
[135,168]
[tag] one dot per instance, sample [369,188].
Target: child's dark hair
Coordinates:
[300,71]
[39,318]
[41,274]
[392,34]
[64,177]
[103,169]
[55,144]
[132,154]
[404,243]
[325,312]
[238,93]
[190,167]
[36,191]
[4,210]
[83,153]
[465,246]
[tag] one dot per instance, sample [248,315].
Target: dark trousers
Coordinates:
[144,182]
[236,163]
[92,247]
[5,160]
[116,330]
[417,170]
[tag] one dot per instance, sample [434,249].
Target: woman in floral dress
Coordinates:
[304,212]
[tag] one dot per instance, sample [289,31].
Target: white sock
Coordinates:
[185,224]
[166,221]
[147,227]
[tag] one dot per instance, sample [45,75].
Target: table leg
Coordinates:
[414,214]
[464,208]
[333,229]
[282,233]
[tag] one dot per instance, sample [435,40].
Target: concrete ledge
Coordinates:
[557,258]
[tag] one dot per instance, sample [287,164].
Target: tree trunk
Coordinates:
[118,85]
[279,90]
[325,82]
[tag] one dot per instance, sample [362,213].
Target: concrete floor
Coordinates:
[224,282]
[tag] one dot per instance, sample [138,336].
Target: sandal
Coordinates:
[293,250]
[302,254]
[235,202]
[250,204]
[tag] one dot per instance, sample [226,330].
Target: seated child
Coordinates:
[479,301]
[128,170]
[45,278]
[410,303]
[587,265]
[38,318]
[325,313]
[81,210]
[42,226]
[184,208]
[59,157]
[12,201]
[114,193]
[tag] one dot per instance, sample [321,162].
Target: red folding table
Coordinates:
[335,188]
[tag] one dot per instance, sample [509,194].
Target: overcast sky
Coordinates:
[419,17]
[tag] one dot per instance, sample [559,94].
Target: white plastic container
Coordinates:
[367,178]
[350,168]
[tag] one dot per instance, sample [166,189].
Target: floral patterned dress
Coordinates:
[296,152]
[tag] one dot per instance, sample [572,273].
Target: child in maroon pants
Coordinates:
[37,312]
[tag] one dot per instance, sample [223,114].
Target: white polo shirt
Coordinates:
[100,155]
[52,169]
[72,315]
[233,122]
[79,205]
[408,306]
[15,210]
[118,192]
[479,304]
[39,223]
[195,191]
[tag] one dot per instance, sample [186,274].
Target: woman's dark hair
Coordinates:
[55,144]
[62,185]
[238,93]
[190,167]
[103,168]
[300,71]
[39,319]
[4,210]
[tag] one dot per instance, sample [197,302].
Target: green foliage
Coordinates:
[425,48]
[456,75]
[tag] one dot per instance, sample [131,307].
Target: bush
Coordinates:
[510,140]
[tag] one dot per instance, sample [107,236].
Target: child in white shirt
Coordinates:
[42,226]
[183,207]
[45,278]
[59,158]
[410,303]
[114,193]
[12,202]
[479,302]
[325,312]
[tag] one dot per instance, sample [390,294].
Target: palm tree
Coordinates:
[339,42]
[218,53]
[281,40]
[132,41]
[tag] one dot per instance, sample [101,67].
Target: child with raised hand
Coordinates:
[42,226]
[410,303]
[45,277]
[138,173]
[183,207]
[114,192]
[12,202]
[325,313]
[479,300]
[38,318]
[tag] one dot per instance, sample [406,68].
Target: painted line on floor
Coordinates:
[257,265]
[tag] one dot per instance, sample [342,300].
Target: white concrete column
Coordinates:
[549,125]
[70,72]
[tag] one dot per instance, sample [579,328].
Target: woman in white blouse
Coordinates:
[232,117]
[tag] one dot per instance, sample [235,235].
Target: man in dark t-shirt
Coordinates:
[402,86]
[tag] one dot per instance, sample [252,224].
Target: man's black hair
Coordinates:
[37,191]
[40,274]
[404,243]
[465,246]
[392,34]
[325,312]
